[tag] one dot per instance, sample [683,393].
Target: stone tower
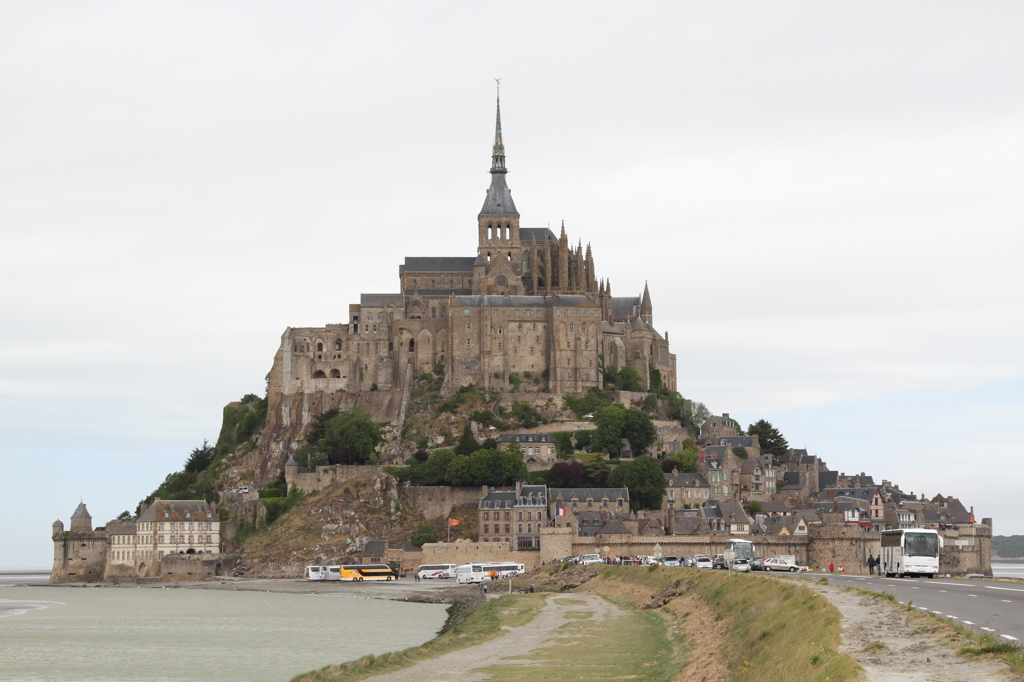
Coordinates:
[498,221]
[81,520]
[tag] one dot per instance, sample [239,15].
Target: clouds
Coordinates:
[822,195]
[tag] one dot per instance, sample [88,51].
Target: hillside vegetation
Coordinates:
[1008,546]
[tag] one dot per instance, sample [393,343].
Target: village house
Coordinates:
[514,517]
[721,469]
[715,427]
[684,490]
[539,449]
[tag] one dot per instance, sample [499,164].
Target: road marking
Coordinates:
[915,588]
[956,584]
[967,622]
[1012,639]
[1007,601]
[987,629]
[972,595]
[954,618]
[1005,589]
[943,590]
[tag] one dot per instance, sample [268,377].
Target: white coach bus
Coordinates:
[480,571]
[910,551]
[436,571]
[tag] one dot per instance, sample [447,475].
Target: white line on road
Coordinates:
[954,618]
[972,595]
[1012,639]
[1007,601]
[967,622]
[915,588]
[987,629]
[956,584]
[943,590]
[1005,589]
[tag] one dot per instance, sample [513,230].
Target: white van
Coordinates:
[443,571]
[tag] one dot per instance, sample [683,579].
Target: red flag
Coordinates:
[454,522]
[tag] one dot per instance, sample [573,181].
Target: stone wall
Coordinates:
[189,567]
[80,556]
[437,501]
[314,480]
[465,551]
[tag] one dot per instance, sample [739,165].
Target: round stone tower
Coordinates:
[58,529]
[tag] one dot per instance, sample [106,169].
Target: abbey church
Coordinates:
[528,303]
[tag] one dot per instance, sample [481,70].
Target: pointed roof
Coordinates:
[81,512]
[499,196]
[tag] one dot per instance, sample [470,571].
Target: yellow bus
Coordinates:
[360,572]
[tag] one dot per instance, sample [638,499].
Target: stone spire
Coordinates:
[646,310]
[499,196]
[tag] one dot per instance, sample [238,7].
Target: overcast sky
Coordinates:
[824,196]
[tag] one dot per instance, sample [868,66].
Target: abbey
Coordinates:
[528,302]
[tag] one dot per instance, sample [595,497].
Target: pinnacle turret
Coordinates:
[499,196]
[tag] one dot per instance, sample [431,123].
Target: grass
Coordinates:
[983,643]
[631,645]
[482,624]
[778,630]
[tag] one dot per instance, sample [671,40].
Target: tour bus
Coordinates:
[910,551]
[436,571]
[323,572]
[480,571]
[359,572]
[743,549]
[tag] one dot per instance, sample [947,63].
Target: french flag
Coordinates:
[560,511]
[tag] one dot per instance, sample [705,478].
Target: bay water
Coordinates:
[1007,570]
[152,634]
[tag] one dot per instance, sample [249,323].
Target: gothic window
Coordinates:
[319,374]
[500,281]
[319,346]
[433,313]
[451,283]
[572,326]
[415,284]
[337,344]
[432,284]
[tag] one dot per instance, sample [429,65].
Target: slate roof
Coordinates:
[570,301]
[81,512]
[614,527]
[745,441]
[628,306]
[501,301]
[498,499]
[527,437]
[375,548]
[582,494]
[437,264]
[858,493]
[439,292]
[380,300]
[686,481]
[732,512]
[538,234]
[499,198]
[791,479]
[686,525]
[775,508]
[177,510]
[828,479]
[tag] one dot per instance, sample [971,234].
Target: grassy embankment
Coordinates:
[480,625]
[770,630]
[967,641]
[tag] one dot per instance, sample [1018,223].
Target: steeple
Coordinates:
[646,310]
[499,196]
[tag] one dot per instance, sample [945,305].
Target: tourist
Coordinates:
[831,567]
[871,564]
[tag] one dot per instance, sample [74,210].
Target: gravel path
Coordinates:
[459,665]
[877,634]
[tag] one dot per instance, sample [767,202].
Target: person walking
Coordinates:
[831,567]
[482,588]
[871,564]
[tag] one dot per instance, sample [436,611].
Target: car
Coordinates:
[755,563]
[741,565]
[718,562]
[670,561]
[588,559]
[702,562]
[778,564]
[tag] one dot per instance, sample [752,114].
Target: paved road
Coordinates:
[985,606]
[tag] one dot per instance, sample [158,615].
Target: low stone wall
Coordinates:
[438,501]
[465,551]
[314,480]
[190,567]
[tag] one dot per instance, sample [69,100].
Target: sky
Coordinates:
[824,198]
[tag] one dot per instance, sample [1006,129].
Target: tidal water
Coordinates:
[150,634]
[1007,570]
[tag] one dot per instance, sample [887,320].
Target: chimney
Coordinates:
[725,415]
[483,491]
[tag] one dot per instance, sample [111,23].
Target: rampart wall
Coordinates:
[438,501]
[314,480]
[465,551]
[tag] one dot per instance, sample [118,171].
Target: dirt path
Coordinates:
[517,642]
[878,635]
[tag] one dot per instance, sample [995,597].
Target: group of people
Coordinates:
[873,563]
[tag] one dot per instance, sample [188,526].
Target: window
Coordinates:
[432,284]
[465,312]
[520,528]
[451,284]
[558,312]
[517,312]
[487,516]
[337,345]
[415,284]
[495,312]
[319,346]
[433,312]
[528,312]
[519,517]
[487,528]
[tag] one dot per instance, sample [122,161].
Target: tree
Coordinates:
[687,461]
[587,403]
[124,516]
[771,441]
[350,437]
[486,467]
[643,478]
[564,440]
[629,379]
[667,465]
[689,413]
[740,451]
[754,508]
[200,458]
[489,444]
[467,444]
[639,430]
[567,475]
[424,535]
[610,421]
[527,415]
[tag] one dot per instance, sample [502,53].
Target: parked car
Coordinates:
[777,564]
[741,565]
[718,562]
[588,559]
[670,561]
[755,563]
[702,562]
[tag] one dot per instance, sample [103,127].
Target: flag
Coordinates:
[454,522]
[560,511]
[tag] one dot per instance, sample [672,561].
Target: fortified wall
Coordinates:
[464,551]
